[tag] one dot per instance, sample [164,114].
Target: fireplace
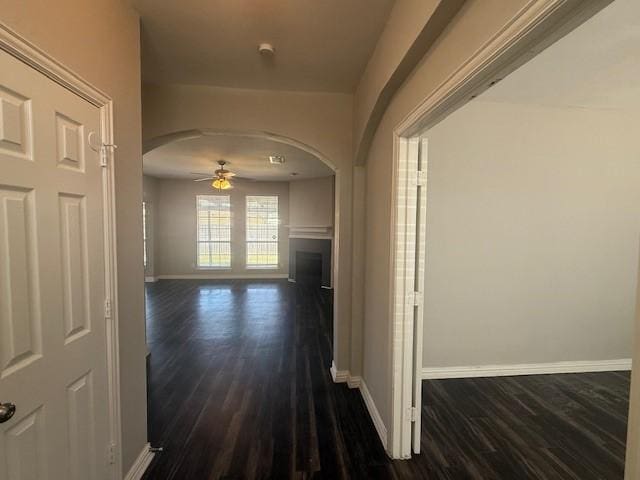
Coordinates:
[309,268]
[310,261]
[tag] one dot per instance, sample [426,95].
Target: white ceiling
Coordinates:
[595,66]
[247,156]
[321,45]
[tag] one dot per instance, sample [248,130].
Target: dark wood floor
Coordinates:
[239,388]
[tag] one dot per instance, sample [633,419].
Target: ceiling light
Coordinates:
[276,159]
[221,184]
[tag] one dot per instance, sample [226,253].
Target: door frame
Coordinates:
[14,44]
[536,26]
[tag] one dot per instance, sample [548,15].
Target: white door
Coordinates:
[53,362]
[419,266]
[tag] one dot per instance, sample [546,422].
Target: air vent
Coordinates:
[276,159]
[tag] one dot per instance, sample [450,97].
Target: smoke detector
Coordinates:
[276,159]
[266,49]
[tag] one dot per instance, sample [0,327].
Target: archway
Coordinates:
[190,134]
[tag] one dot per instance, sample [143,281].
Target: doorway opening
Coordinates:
[417,298]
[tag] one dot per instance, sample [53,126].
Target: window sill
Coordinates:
[262,267]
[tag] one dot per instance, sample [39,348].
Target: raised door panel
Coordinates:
[15,125]
[20,322]
[80,424]
[75,269]
[70,144]
[24,449]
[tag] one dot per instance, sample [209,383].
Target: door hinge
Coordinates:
[421,178]
[415,299]
[111,453]
[412,414]
[107,309]
[102,148]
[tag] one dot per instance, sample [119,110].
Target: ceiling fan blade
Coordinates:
[206,179]
[228,174]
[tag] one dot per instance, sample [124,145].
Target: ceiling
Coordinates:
[321,45]
[247,156]
[597,65]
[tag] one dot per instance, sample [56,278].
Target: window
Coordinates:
[144,233]
[262,232]
[214,231]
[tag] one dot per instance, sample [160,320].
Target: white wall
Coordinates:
[533,222]
[311,202]
[100,41]
[175,227]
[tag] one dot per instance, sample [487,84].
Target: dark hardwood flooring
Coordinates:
[239,388]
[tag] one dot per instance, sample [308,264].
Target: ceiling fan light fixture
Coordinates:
[221,184]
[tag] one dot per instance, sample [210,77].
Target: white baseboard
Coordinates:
[339,376]
[150,279]
[434,373]
[224,276]
[374,413]
[292,280]
[354,381]
[140,465]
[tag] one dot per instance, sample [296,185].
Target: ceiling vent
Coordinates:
[276,159]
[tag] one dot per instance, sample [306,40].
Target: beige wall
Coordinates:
[99,40]
[311,202]
[406,20]
[533,221]
[150,196]
[321,121]
[175,232]
[478,21]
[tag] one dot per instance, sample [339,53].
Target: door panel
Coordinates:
[20,322]
[52,282]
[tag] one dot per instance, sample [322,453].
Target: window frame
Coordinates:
[198,241]
[249,266]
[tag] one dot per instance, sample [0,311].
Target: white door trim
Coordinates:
[537,25]
[17,46]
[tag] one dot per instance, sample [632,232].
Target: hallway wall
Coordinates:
[100,41]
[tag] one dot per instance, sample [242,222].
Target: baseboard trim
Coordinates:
[374,413]
[225,276]
[339,376]
[150,279]
[615,365]
[355,381]
[140,465]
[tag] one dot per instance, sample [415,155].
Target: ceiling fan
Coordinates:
[221,177]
